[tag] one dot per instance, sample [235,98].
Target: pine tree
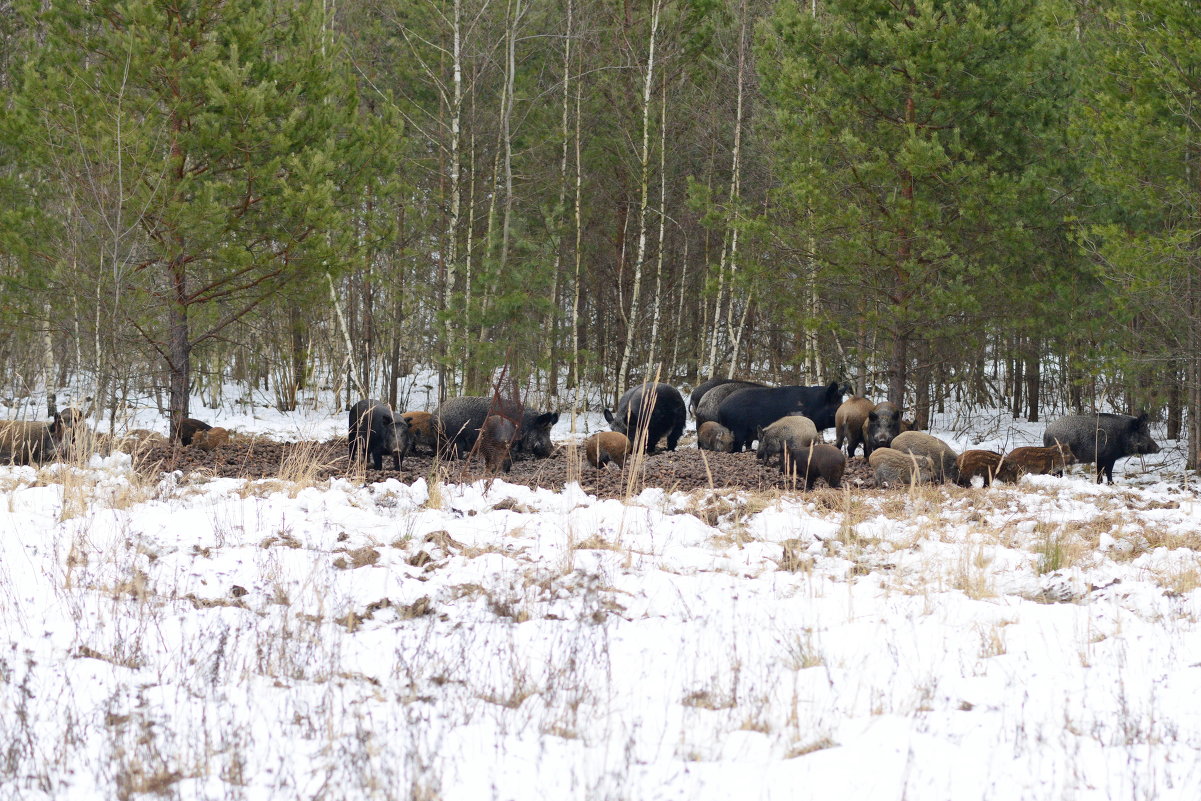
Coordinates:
[1143,124]
[212,130]
[903,133]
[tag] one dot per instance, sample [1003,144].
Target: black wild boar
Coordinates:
[745,412]
[374,431]
[1102,438]
[457,422]
[660,411]
[709,403]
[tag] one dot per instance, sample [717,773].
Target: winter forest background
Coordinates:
[994,203]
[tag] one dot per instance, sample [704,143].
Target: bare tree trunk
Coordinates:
[579,235]
[656,312]
[679,327]
[179,349]
[456,191]
[728,264]
[1033,379]
[48,372]
[644,160]
[921,401]
[561,206]
[506,132]
[898,368]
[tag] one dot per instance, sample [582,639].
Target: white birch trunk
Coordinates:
[656,312]
[579,235]
[561,206]
[452,224]
[736,191]
[640,259]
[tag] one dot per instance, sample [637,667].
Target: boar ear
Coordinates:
[608,416]
[545,420]
[872,415]
[833,391]
[1139,421]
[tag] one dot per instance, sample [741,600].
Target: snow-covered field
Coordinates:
[219,638]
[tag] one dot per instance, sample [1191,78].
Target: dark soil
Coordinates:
[684,469]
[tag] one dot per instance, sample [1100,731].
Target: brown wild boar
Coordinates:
[605,447]
[818,460]
[713,436]
[849,423]
[210,438]
[942,455]
[421,425]
[978,463]
[1036,461]
[189,428]
[895,469]
[495,440]
[792,432]
[26,442]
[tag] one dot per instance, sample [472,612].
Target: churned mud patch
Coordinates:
[683,470]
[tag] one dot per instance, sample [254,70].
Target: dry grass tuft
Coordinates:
[820,744]
[795,558]
[301,463]
[359,557]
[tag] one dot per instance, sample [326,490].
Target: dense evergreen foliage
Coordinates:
[995,202]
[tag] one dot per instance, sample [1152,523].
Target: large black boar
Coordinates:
[374,431]
[660,411]
[1102,438]
[711,401]
[745,412]
[882,426]
[694,400]
[457,423]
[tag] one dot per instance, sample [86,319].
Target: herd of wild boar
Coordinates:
[731,415]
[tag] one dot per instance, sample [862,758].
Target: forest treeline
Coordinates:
[993,202]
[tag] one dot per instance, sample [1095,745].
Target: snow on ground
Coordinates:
[320,415]
[220,638]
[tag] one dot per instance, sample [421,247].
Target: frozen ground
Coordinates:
[209,639]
